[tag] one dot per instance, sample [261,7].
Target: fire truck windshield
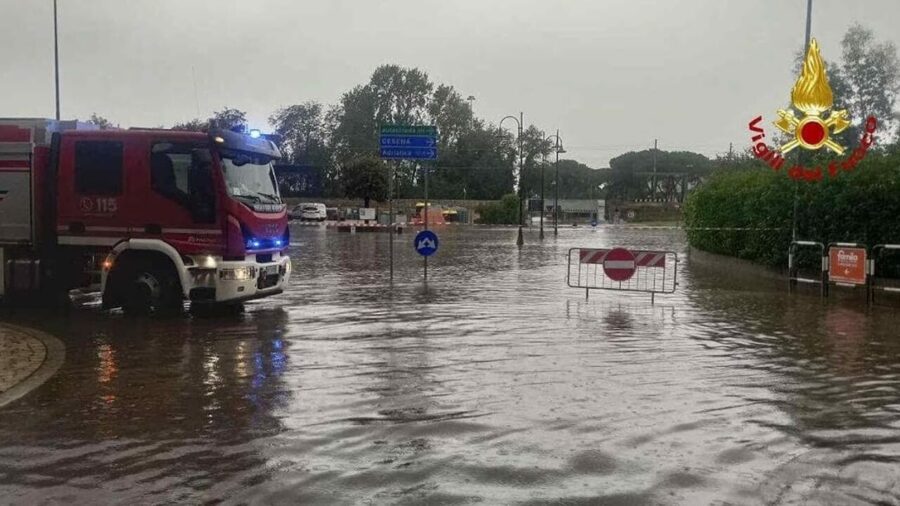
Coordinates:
[250,178]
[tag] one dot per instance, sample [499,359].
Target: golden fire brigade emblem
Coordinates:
[812,96]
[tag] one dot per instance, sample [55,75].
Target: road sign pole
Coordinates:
[409,142]
[391,172]
[425,167]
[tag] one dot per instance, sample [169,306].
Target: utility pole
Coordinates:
[56,58]
[655,145]
[425,166]
[808,23]
[391,172]
[800,153]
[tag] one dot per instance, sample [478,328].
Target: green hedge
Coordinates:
[861,206]
[503,212]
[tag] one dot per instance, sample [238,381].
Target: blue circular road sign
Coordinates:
[426,243]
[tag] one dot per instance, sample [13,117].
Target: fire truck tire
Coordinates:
[152,289]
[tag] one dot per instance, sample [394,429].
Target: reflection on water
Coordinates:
[496,383]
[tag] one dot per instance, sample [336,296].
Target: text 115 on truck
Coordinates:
[148,217]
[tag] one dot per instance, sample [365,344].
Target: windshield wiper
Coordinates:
[274,198]
[253,198]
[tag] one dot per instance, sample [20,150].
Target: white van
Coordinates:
[309,211]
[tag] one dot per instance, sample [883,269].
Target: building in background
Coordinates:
[570,210]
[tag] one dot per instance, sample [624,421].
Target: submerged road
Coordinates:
[495,384]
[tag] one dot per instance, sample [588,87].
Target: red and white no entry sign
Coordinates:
[619,264]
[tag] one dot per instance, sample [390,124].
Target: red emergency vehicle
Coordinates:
[149,217]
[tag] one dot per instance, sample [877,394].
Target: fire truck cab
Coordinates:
[148,217]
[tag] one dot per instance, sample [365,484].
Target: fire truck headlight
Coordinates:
[237,273]
[208,262]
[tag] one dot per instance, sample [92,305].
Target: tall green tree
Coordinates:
[401,94]
[870,70]
[302,132]
[576,180]
[393,95]
[480,164]
[451,114]
[535,148]
[194,125]
[476,160]
[303,136]
[364,178]
[865,82]
[100,121]
[632,172]
[228,118]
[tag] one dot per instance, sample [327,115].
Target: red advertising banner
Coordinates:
[847,265]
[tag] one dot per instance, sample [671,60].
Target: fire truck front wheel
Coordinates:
[150,288]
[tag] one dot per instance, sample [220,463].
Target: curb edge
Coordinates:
[54,358]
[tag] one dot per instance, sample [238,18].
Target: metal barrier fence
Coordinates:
[794,276]
[651,271]
[847,265]
[878,253]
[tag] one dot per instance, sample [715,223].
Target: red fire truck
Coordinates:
[150,218]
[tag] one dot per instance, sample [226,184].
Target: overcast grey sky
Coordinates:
[611,75]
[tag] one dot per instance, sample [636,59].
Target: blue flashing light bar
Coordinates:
[254,243]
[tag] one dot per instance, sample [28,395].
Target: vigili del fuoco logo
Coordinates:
[812,98]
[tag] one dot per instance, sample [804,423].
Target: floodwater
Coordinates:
[495,384]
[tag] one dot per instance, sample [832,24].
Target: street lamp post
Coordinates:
[541,234]
[596,209]
[519,122]
[558,149]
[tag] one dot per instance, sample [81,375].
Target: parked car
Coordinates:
[310,211]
